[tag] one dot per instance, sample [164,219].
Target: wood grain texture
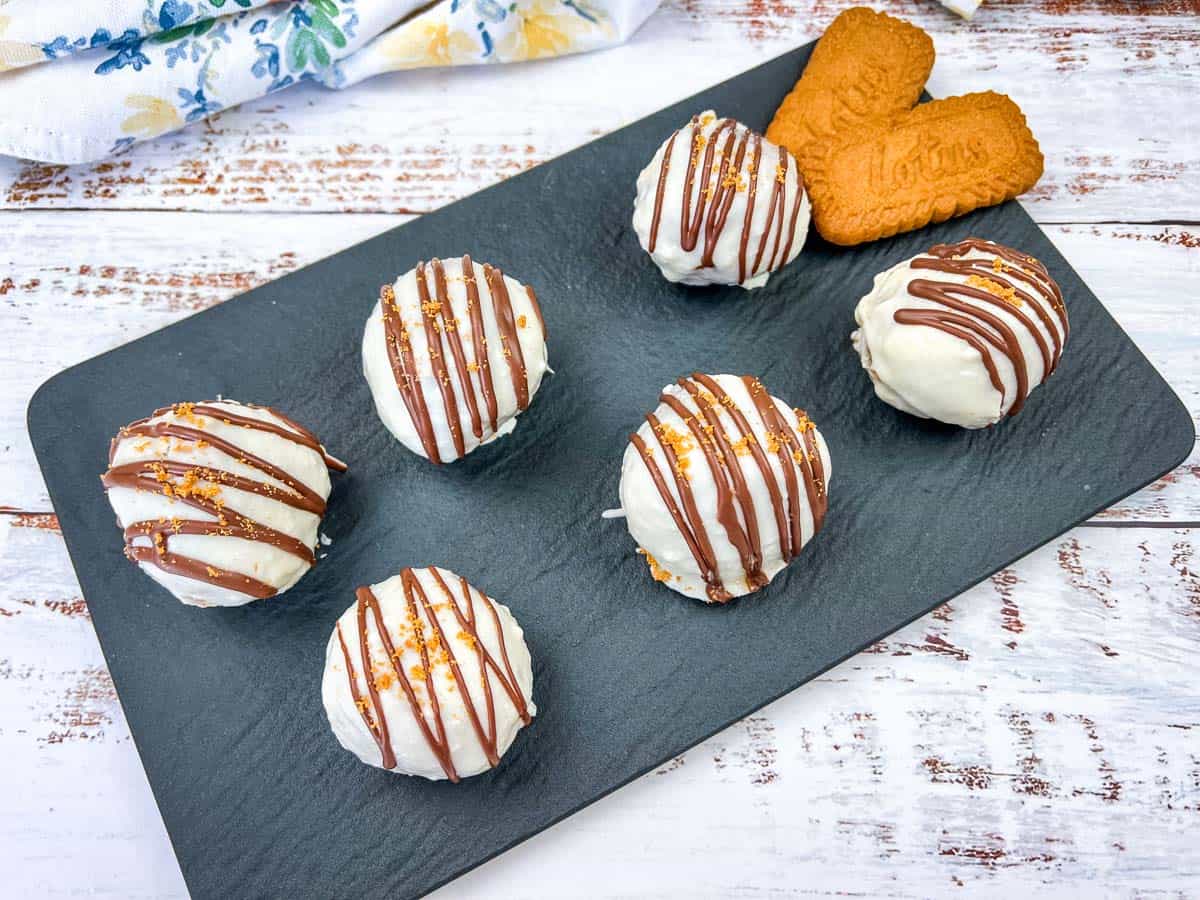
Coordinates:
[1040,728]
[98,280]
[1105,89]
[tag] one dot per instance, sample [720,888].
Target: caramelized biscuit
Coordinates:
[867,67]
[942,159]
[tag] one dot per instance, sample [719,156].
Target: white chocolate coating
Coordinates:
[774,236]
[257,559]
[930,373]
[651,522]
[412,750]
[381,377]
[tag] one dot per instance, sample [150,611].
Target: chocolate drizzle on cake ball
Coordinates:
[1004,283]
[1001,303]
[407,646]
[748,447]
[725,161]
[177,475]
[470,405]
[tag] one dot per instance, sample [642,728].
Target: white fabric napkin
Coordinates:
[82,80]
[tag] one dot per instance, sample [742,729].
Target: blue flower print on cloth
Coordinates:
[81,80]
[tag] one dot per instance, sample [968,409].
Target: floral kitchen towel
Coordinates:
[82,80]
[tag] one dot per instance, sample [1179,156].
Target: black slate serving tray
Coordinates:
[225,705]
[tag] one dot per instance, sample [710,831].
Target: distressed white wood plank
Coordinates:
[73,284]
[1037,732]
[1108,90]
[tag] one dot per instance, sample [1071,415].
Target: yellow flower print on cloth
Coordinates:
[154,116]
[471,32]
[542,28]
[426,41]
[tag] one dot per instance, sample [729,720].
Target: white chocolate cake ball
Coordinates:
[221,501]
[722,486]
[425,675]
[962,333]
[453,351]
[720,204]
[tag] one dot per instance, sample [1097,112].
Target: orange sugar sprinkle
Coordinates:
[742,445]
[383,681]
[680,443]
[1006,293]
[521,321]
[772,442]
[657,572]
[467,638]
[212,573]
[998,265]
[417,672]
[781,174]
[472,367]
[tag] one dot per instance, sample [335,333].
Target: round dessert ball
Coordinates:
[720,204]
[962,333]
[220,501]
[453,351]
[723,485]
[426,675]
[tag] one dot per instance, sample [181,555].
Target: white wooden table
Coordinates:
[1038,735]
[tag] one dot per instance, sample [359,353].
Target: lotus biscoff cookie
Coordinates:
[942,159]
[867,67]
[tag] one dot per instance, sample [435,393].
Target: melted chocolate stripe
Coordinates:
[731,485]
[437,359]
[508,680]
[983,269]
[509,339]
[186,566]
[404,369]
[295,432]
[419,610]
[145,475]
[244,528]
[714,217]
[786,545]
[409,580]
[170,429]
[690,524]
[662,186]
[451,331]
[489,747]
[748,221]
[1021,264]
[723,195]
[775,424]
[943,294]
[479,342]
[958,326]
